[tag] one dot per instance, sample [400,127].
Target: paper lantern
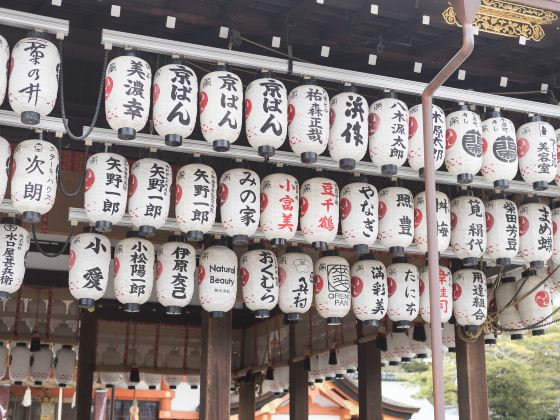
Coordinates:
[175,93]
[20,367]
[308,120]
[448,336]
[443,215]
[535,309]
[348,136]
[34,173]
[555,233]
[149,194]
[193,381]
[509,316]
[396,216]
[388,133]
[416,138]
[40,365]
[259,280]
[536,149]
[315,375]
[348,358]
[463,144]
[499,150]
[221,108]
[279,208]
[217,279]
[4,57]
[468,228]
[331,286]
[369,290]
[64,364]
[359,215]
[469,298]
[33,84]
[266,114]
[5,152]
[111,357]
[502,229]
[175,268]
[535,232]
[553,273]
[557,178]
[14,244]
[295,277]
[3,360]
[398,343]
[153,380]
[105,200]
[174,360]
[420,348]
[127,94]
[403,294]
[319,212]
[239,193]
[445,294]
[134,271]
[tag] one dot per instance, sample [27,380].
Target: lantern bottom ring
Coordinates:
[309,157]
[266,151]
[470,261]
[173,310]
[30,117]
[194,386]
[262,313]
[18,383]
[240,240]
[31,216]
[465,179]
[339,376]
[216,314]
[334,320]
[103,226]
[397,251]
[540,185]
[400,326]
[451,349]
[221,145]
[319,381]
[146,231]
[503,261]
[132,307]
[172,386]
[4,296]
[173,140]
[370,323]
[278,242]
[132,387]
[62,385]
[516,336]
[536,333]
[422,356]
[421,173]
[471,329]
[86,302]
[351,371]
[361,249]
[394,363]
[37,383]
[405,359]
[490,341]
[152,387]
[537,265]
[320,246]
[501,184]
[293,318]
[126,133]
[109,386]
[389,170]
[195,235]
[347,164]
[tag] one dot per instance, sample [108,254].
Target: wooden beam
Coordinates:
[247,398]
[369,381]
[86,364]
[299,408]
[215,372]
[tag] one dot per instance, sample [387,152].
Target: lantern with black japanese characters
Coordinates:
[89,261]
[111,357]
[64,364]
[396,219]
[469,298]
[20,358]
[134,271]
[403,294]
[14,244]
[555,234]
[279,208]
[506,305]
[175,268]
[318,211]
[33,72]
[443,221]
[34,173]
[533,302]
[463,144]
[388,133]
[358,215]
[175,94]
[416,138]
[502,229]
[4,58]
[445,294]
[308,120]
[535,232]
[331,286]
[369,290]
[221,108]
[40,365]
[258,270]
[295,278]
[468,228]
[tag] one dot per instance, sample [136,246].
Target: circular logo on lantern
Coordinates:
[332,116]
[489,221]
[373,123]
[345,208]
[391,286]
[155,94]
[248,108]
[303,206]
[90,179]
[472,143]
[202,101]
[72,259]
[244,276]
[484,145]
[291,113]
[523,225]
[382,210]
[457,291]
[317,283]
[421,287]
[132,185]
[178,193]
[417,217]
[357,286]
[281,276]
[522,147]
[117,266]
[505,149]
[223,193]
[412,126]
[201,273]
[554,228]
[264,201]
[542,299]
[453,220]
[159,269]
[108,86]
[13,170]
[450,138]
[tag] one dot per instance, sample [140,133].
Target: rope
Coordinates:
[49,313]
[156,346]
[51,254]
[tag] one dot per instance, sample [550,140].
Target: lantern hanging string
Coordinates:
[185,347]
[18,312]
[49,313]
[156,345]
[51,254]
[279,345]
[37,310]
[126,337]
[80,186]
[134,346]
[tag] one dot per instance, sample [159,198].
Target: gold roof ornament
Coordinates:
[507,19]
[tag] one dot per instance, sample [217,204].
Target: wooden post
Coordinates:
[369,381]
[299,409]
[247,398]
[215,372]
[472,388]
[86,364]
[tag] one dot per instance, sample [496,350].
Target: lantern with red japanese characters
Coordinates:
[358,215]
[20,358]
[555,233]
[469,298]
[535,232]
[64,364]
[295,277]
[396,219]
[463,144]
[40,365]
[533,302]
[279,208]
[468,228]
[4,57]
[331,285]
[416,137]
[506,305]
[369,290]
[443,221]
[445,294]
[5,154]
[319,212]
[502,229]
[403,294]
[14,244]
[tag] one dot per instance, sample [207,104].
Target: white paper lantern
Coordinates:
[174,359]
[221,108]
[331,286]
[318,211]
[153,380]
[555,233]
[239,193]
[502,229]
[388,133]
[348,358]
[34,172]
[64,365]
[266,114]
[463,144]
[308,120]
[279,208]
[348,138]
[536,308]
[111,357]
[399,345]
[5,155]
[369,290]
[359,215]
[134,271]
[535,232]
[469,298]
[20,358]
[448,336]
[41,363]
[89,261]
[403,294]
[33,84]
[509,316]
[295,277]
[553,273]
[468,228]
[259,280]
[217,279]
[175,268]
[499,150]
[193,381]
[175,94]
[127,94]
[4,57]
[416,137]
[149,193]
[557,178]
[420,348]
[14,244]
[445,294]
[443,215]
[3,360]
[105,189]
[396,219]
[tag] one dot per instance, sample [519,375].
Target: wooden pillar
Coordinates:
[472,389]
[299,408]
[215,372]
[86,364]
[247,398]
[369,381]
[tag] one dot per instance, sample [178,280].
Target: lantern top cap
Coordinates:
[528,273]
[366,257]
[531,199]
[264,74]
[220,66]
[308,80]
[67,346]
[534,118]
[498,196]
[348,88]
[177,60]
[130,53]
[397,260]
[461,106]
[221,241]
[177,238]
[294,248]
[389,94]
[133,234]
[38,34]
[495,113]
[11,221]
[254,246]
[330,253]
[89,229]
[509,279]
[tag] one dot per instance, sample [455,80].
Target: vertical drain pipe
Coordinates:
[466,11]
